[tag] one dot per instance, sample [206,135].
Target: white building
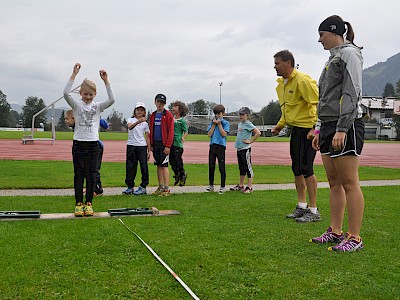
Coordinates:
[379,113]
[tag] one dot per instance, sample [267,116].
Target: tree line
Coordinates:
[268,115]
[391,91]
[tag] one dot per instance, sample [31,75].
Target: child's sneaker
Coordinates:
[182,181]
[176,179]
[297,213]
[221,190]
[158,191]
[98,190]
[349,244]
[309,217]
[248,190]
[237,188]
[328,237]
[79,210]
[128,191]
[88,210]
[140,191]
[210,189]
[165,193]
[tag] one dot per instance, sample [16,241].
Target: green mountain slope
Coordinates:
[376,77]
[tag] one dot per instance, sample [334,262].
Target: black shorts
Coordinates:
[353,143]
[160,159]
[244,161]
[302,152]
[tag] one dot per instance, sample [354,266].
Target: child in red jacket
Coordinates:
[161,139]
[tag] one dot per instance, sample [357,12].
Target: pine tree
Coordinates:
[398,88]
[32,106]
[5,108]
[388,90]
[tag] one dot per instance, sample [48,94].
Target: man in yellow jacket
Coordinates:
[298,98]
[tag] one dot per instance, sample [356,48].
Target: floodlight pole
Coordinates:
[220,91]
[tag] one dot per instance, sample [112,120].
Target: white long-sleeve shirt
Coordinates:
[87,116]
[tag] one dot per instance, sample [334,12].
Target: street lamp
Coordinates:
[220,88]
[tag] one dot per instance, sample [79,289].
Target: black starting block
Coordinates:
[131,211]
[19,214]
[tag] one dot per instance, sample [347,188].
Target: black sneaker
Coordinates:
[247,190]
[182,182]
[297,213]
[176,179]
[237,188]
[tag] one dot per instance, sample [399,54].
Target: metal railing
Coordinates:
[53,124]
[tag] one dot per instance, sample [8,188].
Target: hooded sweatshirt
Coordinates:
[340,86]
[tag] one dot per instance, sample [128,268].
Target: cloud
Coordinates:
[181,48]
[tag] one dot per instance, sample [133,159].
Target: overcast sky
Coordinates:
[181,48]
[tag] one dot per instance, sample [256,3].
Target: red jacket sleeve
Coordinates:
[170,130]
[151,127]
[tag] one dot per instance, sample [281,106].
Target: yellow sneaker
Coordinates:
[88,210]
[79,210]
[165,193]
[158,191]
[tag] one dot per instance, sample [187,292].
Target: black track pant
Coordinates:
[216,152]
[84,155]
[135,155]
[176,161]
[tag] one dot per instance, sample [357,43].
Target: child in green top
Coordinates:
[179,110]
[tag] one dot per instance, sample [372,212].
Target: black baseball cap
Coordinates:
[244,110]
[161,97]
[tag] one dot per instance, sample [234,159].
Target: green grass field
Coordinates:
[17,174]
[230,246]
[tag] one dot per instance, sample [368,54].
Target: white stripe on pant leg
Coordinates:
[248,161]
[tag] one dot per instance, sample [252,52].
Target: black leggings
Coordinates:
[176,161]
[84,155]
[216,152]
[302,152]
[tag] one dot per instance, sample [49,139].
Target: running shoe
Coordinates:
[79,210]
[221,190]
[248,190]
[182,181]
[98,192]
[88,210]
[349,244]
[140,191]
[128,191]
[158,191]
[309,217]
[297,213]
[237,188]
[210,189]
[328,237]
[165,193]
[176,179]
